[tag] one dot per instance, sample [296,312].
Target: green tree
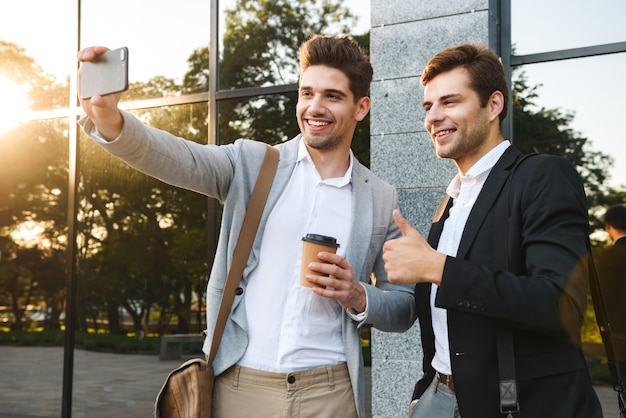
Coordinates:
[33,192]
[538,129]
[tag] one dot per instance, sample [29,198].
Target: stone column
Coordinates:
[405,34]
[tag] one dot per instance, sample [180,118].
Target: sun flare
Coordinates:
[13,104]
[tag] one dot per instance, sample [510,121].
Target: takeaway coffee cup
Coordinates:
[313,244]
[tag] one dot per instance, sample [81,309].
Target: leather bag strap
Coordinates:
[244,243]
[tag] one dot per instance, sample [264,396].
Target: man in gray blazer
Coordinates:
[287,350]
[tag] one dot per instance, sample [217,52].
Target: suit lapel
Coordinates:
[362,220]
[486,199]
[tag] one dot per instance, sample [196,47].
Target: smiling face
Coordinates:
[326,111]
[459,127]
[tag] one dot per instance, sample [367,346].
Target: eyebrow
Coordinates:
[327,91]
[444,98]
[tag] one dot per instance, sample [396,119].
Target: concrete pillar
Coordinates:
[405,35]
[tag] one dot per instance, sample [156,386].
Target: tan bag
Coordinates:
[187,391]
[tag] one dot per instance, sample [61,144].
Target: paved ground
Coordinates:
[105,385]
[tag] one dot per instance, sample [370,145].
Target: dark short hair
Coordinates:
[483,65]
[616,217]
[342,53]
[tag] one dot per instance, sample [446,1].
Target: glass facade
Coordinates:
[98,261]
[540,26]
[567,61]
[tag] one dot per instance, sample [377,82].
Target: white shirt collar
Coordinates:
[480,169]
[304,155]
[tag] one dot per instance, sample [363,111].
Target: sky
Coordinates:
[590,88]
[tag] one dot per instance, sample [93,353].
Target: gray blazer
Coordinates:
[228,173]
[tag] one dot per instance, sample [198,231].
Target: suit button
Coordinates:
[239,291]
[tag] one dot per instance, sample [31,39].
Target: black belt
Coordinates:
[445,379]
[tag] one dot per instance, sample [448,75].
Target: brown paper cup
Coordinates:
[311,246]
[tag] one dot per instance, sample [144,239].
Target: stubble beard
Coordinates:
[322,143]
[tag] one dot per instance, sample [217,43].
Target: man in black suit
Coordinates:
[611,269]
[615,224]
[506,255]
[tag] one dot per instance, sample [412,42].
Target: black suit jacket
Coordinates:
[611,269]
[621,242]
[541,297]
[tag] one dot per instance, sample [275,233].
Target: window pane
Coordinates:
[143,270]
[542,26]
[33,250]
[259,44]
[37,54]
[270,118]
[564,88]
[165,39]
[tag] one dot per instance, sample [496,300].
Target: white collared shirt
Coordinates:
[290,328]
[464,190]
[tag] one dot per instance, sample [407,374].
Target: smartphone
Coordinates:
[106,74]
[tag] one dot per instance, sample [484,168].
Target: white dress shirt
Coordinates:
[290,328]
[464,190]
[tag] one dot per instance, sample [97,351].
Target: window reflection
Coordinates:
[26,86]
[144,243]
[33,254]
[269,118]
[542,26]
[164,46]
[259,42]
[36,53]
[563,117]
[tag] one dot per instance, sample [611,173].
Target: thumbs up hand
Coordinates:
[410,259]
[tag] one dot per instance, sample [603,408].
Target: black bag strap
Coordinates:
[244,243]
[509,403]
[617,367]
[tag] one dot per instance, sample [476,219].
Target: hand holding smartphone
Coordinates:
[105,74]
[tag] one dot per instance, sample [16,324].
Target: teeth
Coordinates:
[317,123]
[447,131]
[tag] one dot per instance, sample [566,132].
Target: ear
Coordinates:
[495,105]
[363,106]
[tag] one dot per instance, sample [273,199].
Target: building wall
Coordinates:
[404,35]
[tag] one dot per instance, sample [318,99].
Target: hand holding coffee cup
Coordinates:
[312,245]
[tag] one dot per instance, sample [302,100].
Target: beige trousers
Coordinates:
[325,392]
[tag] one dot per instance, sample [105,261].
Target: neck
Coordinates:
[330,164]
[619,236]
